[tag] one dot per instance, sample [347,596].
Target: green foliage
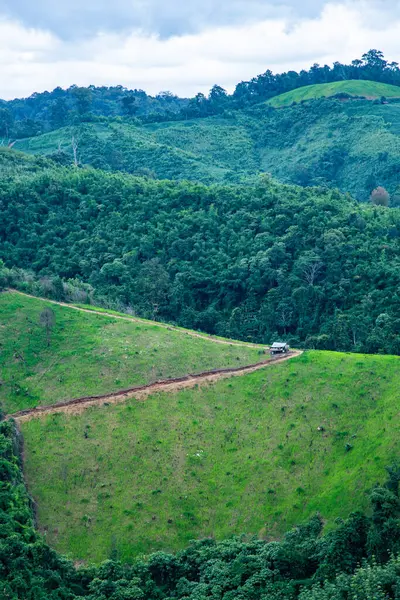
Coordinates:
[203,462]
[252,262]
[316,143]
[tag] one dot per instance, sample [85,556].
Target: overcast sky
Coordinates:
[184,46]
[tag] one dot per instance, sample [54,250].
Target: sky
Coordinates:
[185,46]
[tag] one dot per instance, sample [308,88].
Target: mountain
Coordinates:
[256,453]
[123,436]
[197,461]
[304,565]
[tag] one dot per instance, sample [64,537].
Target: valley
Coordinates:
[152,249]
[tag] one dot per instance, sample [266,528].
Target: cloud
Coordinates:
[35,59]
[75,18]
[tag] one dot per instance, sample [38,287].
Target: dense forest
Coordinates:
[253,262]
[41,112]
[356,560]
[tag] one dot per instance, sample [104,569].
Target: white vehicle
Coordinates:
[279,348]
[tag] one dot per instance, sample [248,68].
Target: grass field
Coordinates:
[242,455]
[368,89]
[94,354]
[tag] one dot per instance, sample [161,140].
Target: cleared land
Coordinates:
[369,89]
[85,353]
[244,454]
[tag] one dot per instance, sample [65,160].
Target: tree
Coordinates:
[6,122]
[83,99]
[74,146]
[47,320]
[130,105]
[380,196]
[374,59]
[59,112]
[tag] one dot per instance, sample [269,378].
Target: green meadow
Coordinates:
[256,454]
[84,354]
[367,89]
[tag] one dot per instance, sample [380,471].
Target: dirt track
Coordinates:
[209,338]
[78,405]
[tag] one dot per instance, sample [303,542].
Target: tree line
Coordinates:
[45,111]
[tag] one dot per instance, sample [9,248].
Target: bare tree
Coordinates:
[311,271]
[75,145]
[47,320]
[284,314]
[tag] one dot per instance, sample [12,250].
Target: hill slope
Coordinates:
[353,145]
[368,89]
[87,354]
[244,454]
[247,262]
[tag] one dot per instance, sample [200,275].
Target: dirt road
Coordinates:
[78,405]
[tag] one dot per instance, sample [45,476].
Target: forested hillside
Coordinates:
[353,145]
[281,124]
[269,213]
[249,262]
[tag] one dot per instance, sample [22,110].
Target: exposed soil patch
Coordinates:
[78,405]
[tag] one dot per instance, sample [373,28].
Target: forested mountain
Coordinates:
[251,262]
[25,117]
[255,215]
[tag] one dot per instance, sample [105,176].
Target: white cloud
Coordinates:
[35,60]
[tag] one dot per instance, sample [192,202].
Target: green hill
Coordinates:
[253,454]
[370,90]
[87,354]
[352,145]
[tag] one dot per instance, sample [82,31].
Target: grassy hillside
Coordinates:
[93,354]
[242,455]
[369,89]
[141,150]
[352,145]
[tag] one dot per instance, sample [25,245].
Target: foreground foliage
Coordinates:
[254,263]
[304,566]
